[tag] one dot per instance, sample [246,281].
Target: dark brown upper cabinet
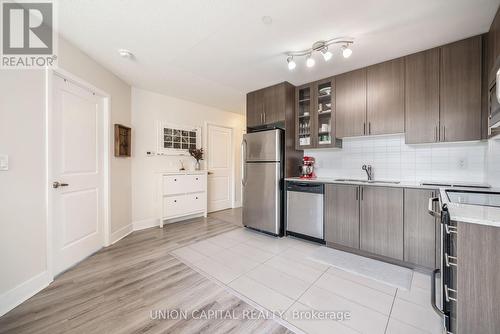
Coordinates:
[315,115]
[422,97]
[460,90]
[385,97]
[269,105]
[350,104]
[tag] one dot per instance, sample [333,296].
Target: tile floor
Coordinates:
[277,275]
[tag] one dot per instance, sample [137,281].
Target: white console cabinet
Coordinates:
[182,194]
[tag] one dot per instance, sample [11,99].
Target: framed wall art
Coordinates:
[123,140]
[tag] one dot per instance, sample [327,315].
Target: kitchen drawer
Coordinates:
[194,183]
[174,205]
[174,184]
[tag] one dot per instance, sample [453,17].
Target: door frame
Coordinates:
[106,106]
[206,148]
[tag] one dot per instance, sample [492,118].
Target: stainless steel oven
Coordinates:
[446,273]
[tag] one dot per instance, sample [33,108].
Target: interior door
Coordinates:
[77,172]
[219,155]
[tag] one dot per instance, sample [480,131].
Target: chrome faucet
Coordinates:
[369,172]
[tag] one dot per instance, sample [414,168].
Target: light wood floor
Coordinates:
[115,290]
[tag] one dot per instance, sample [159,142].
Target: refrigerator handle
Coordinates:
[243,164]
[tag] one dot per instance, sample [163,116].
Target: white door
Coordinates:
[220,167]
[76,163]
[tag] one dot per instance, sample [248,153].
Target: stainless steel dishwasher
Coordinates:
[304,210]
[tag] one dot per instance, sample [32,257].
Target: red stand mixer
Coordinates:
[307,168]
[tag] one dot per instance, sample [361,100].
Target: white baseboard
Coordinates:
[145,223]
[237,204]
[24,291]
[121,233]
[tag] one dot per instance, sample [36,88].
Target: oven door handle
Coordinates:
[431,207]
[433,293]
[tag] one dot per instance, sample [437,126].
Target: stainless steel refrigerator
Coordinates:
[262,176]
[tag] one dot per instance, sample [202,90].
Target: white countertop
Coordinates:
[473,214]
[379,184]
[466,213]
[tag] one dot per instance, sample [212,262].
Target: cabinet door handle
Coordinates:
[362,193]
[264,117]
[357,194]
[444,133]
[261,121]
[369,128]
[364,128]
[436,133]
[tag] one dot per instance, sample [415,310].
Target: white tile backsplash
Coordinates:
[392,159]
[493,163]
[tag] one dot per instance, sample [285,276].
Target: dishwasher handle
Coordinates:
[306,187]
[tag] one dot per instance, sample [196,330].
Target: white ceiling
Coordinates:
[215,51]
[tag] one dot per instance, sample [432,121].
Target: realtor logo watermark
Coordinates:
[28,34]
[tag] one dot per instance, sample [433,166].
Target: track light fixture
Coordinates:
[320,46]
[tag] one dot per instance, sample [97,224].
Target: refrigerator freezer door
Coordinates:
[263,145]
[262,197]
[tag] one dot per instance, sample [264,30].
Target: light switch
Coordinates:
[4,162]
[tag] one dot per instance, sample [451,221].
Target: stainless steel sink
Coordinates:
[366,181]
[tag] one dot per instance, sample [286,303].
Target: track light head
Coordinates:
[291,63]
[327,55]
[310,61]
[346,51]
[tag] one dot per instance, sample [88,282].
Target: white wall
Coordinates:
[23,223]
[149,107]
[392,159]
[22,187]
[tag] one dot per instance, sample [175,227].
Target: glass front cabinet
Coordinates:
[315,115]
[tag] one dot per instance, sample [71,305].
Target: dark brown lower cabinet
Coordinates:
[478,279]
[342,214]
[419,228]
[381,221]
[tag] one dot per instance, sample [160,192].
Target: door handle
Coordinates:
[57,184]
[243,158]
[369,128]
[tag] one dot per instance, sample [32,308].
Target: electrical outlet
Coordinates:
[462,163]
[4,162]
